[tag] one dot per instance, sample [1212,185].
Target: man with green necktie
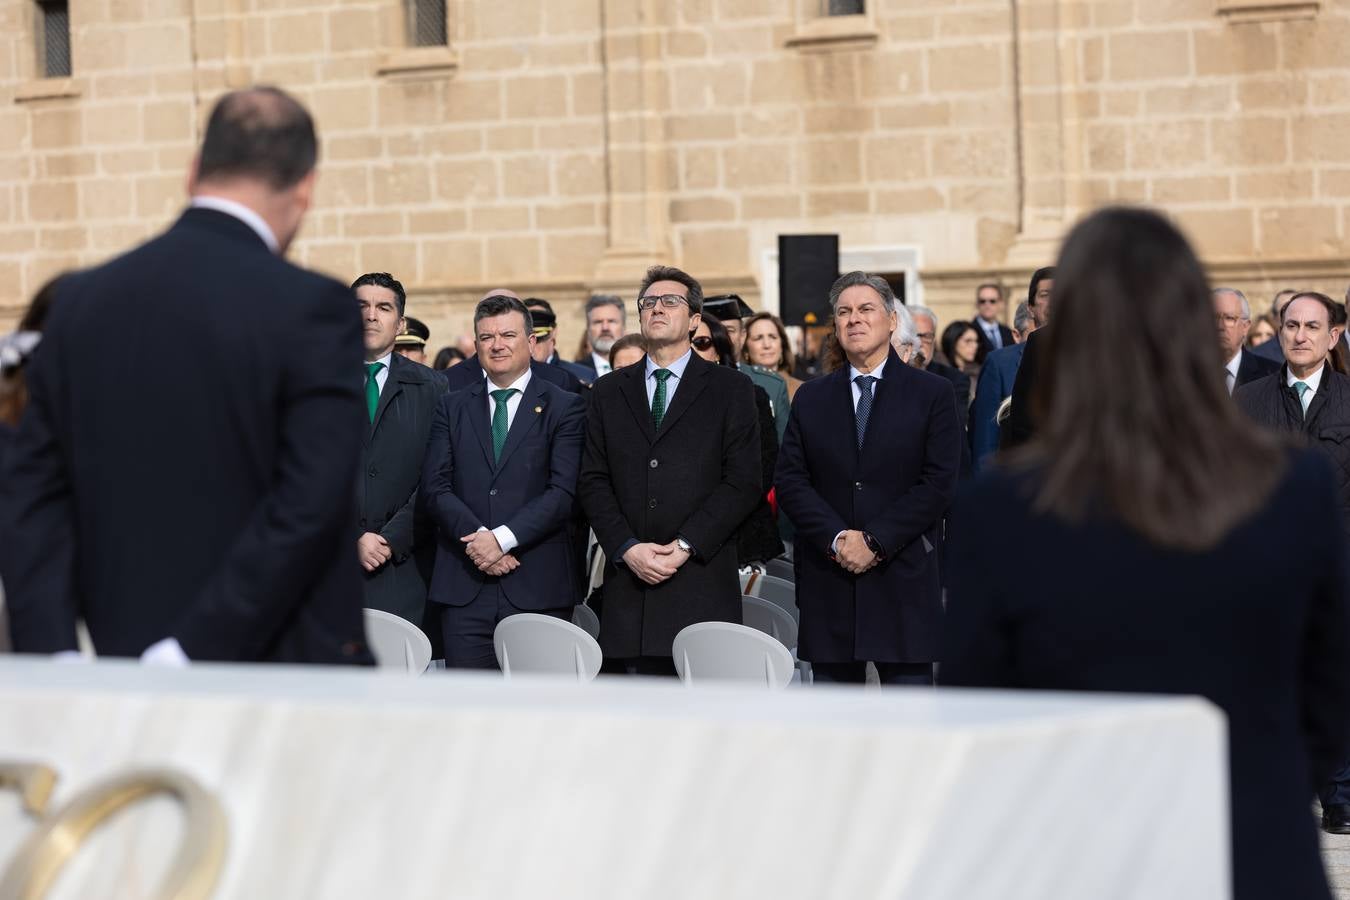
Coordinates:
[395,546]
[671,469]
[498,479]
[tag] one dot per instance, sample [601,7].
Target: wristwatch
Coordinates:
[874,545]
[684,545]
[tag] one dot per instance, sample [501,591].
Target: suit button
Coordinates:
[651,504]
[857,485]
[652,464]
[373,472]
[492,493]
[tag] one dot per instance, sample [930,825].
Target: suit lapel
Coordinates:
[478,419]
[393,386]
[528,416]
[690,386]
[634,390]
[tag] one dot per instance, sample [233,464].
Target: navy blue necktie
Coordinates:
[864,383]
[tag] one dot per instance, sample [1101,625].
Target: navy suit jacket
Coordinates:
[995,385]
[581,373]
[897,488]
[530,490]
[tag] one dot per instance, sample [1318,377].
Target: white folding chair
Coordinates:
[538,644]
[771,619]
[780,568]
[585,618]
[722,651]
[778,592]
[396,642]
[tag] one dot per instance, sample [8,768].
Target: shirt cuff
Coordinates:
[167,652]
[834,544]
[69,656]
[506,539]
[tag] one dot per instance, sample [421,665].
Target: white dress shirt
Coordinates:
[383,375]
[601,363]
[1313,381]
[1232,370]
[240,212]
[505,538]
[672,383]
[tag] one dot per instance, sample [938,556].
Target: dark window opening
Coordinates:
[53,38]
[844,7]
[427,23]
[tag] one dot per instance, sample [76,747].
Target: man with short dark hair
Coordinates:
[605,321]
[499,479]
[993,334]
[1019,426]
[1233,316]
[671,469]
[1309,398]
[470,372]
[546,340]
[866,473]
[182,480]
[396,545]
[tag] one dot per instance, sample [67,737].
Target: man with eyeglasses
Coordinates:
[1233,316]
[994,335]
[670,470]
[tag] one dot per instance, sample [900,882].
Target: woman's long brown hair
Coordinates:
[1134,418]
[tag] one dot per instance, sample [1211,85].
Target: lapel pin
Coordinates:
[538,409]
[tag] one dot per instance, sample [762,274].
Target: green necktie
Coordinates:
[372,388]
[499,421]
[1301,388]
[659,398]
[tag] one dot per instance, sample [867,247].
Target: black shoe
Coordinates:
[1336,818]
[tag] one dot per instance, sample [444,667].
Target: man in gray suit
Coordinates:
[396,546]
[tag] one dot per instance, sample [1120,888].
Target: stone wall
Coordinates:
[559,146]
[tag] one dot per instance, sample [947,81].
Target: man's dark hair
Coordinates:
[1036,278]
[1335,311]
[500,305]
[261,133]
[384,280]
[670,273]
[538,303]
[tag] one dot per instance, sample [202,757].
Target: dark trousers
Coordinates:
[467,630]
[856,673]
[1337,791]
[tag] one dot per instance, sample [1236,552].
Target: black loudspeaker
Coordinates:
[808,265]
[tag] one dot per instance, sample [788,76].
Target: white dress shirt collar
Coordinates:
[1313,381]
[240,212]
[383,375]
[875,373]
[601,363]
[1232,369]
[517,385]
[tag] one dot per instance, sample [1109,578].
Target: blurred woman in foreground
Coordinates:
[1179,549]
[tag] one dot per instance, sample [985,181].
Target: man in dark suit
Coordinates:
[606,320]
[182,481]
[396,546]
[671,470]
[1233,315]
[1018,427]
[470,372]
[1308,397]
[499,480]
[546,340]
[989,303]
[995,385]
[866,473]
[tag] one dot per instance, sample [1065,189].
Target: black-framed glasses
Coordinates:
[702,342]
[667,301]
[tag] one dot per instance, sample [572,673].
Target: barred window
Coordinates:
[426,23]
[53,38]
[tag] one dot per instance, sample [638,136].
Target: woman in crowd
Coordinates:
[1182,550]
[757,539]
[447,357]
[962,349]
[767,346]
[1263,329]
[627,350]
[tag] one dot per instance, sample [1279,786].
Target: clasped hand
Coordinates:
[655,563]
[485,553]
[851,552]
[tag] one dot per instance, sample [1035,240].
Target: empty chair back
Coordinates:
[537,644]
[721,651]
[585,618]
[771,619]
[778,592]
[396,642]
[780,568]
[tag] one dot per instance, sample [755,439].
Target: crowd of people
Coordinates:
[1158,508]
